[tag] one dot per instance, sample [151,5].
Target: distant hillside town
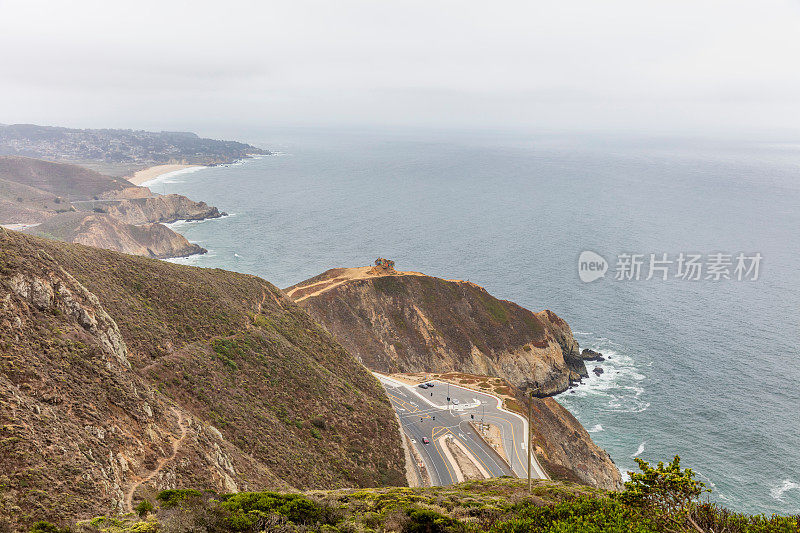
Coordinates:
[113,146]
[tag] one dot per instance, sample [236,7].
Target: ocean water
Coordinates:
[708,370]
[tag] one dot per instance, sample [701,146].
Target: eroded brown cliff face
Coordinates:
[161,208]
[409,322]
[566,449]
[104,231]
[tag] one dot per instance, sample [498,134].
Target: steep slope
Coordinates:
[566,449]
[120,375]
[58,179]
[408,322]
[105,231]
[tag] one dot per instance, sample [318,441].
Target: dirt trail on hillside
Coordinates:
[348,274]
[176,444]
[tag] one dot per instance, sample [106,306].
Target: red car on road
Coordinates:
[425,440]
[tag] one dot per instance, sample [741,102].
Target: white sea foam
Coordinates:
[169,177]
[618,388]
[787,484]
[180,223]
[711,485]
[639,450]
[596,429]
[192,259]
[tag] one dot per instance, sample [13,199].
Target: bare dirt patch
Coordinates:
[465,464]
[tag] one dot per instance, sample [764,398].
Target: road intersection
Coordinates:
[428,414]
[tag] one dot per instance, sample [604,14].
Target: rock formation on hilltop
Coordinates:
[122,375]
[409,322]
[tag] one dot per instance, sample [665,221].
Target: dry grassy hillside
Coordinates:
[57,179]
[121,375]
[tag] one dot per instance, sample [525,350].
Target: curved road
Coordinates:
[428,413]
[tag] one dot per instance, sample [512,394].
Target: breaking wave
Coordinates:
[788,484]
[171,177]
[639,450]
[619,387]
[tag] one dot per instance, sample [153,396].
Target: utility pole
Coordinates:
[530,483]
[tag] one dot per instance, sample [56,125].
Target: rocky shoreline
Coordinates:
[73,204]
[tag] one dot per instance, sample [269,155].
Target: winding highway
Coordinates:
[428,414]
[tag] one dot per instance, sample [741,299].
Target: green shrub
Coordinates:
[143,508]
[262,321]
[428,521]
[143,527]
[712,517]
[226,347]
[249,509]
[582,515]
[665,491]
[173,497]
[389,285]
[46,527]
[225,350]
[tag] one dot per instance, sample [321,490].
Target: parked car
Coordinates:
[425,440]
[429,384]
[455,401]
[423,385]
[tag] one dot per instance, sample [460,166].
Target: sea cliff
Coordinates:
[409,322]
[74,204]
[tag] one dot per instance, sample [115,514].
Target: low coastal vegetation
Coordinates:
[660,498]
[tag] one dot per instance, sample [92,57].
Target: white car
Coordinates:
[455,401]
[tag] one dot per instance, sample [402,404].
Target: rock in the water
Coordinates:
[591,355]
[597,370]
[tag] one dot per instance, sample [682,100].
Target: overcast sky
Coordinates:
[615,65]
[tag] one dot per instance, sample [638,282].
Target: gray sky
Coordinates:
[654,66]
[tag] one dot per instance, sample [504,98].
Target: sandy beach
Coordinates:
[150,173]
